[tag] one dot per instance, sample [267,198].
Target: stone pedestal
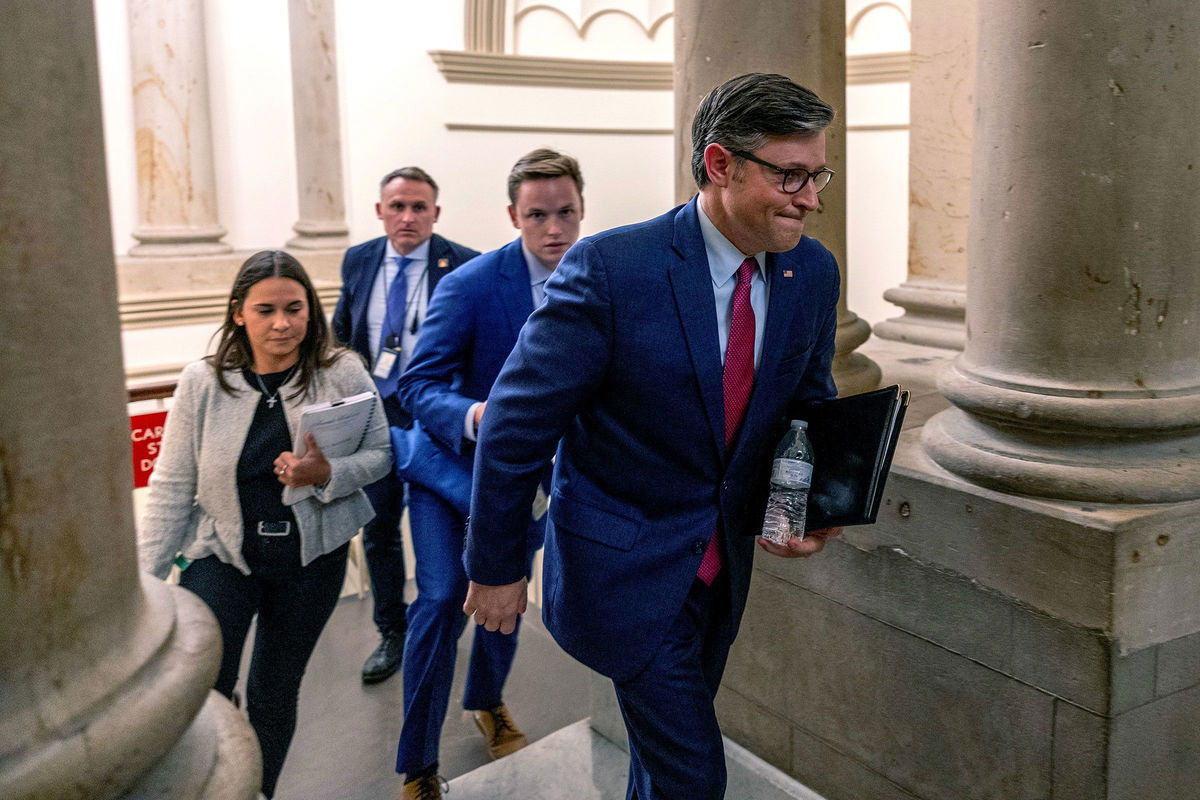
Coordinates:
[806,40]
[942,103]
[104,673]
[177,200]
[977,644]
[317,113]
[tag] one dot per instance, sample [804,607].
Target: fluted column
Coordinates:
[104,672]
[1081,374]
[317,115]
[805,40]
[177,199]
[942,103]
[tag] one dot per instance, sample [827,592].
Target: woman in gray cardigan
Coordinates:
[256,528]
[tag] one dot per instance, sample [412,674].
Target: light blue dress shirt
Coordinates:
[723,262]
[415,273]
[538,275]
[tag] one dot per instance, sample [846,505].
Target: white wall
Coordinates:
[877,163]
[395,106]
[395,109]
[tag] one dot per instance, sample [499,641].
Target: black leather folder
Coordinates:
[853,439]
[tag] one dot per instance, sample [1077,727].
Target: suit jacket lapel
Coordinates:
[691,283]
[439,253]
[514,287]
[372,259]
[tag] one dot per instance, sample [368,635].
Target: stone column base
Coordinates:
[934,315]
[216,759]
[145,731]
[166,242]
[853,372]
[319,236]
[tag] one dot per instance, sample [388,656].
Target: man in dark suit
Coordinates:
[667,358]
[473,323]
[386,285]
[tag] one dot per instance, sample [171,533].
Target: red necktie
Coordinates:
[738,381]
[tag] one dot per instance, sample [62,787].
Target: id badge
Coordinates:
[384,362]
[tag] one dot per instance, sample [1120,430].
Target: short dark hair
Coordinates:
[233,351]
[742,112]
[410,174]
[543,164]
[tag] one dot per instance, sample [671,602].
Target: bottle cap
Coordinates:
[799,424]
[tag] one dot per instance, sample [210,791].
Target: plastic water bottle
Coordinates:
[791,475]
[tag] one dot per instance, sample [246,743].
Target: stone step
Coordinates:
[576,763]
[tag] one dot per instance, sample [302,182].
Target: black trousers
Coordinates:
[384,549]
[293,604]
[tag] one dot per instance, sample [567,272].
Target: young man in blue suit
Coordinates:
[386,285]
[473,323]
[664,366]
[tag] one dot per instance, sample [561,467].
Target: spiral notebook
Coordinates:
[339,426]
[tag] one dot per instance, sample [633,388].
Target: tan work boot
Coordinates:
[430,787]
[502,734]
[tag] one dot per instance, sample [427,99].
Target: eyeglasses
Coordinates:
[793,180]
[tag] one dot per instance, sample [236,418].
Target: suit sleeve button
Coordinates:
[698,547]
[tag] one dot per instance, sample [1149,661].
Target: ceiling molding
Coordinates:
[459,66]
[580,129]
[879,68]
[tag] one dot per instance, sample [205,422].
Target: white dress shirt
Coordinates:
[723,262]
[416,273]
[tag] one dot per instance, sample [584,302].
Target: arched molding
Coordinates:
[649,27]
[485,61]
[648,18]
[852,27]
[658,23]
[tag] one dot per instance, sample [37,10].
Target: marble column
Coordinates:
[317,113]
[805,40]
[1081,374]
[942,103]
[104,672]
[177,199]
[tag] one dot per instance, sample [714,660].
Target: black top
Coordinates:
[260,493]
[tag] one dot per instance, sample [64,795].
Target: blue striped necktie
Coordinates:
[392,332]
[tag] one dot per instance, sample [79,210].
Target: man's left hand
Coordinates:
[812,543]
[496,607]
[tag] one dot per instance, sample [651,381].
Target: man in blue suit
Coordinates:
[473,323]
[386,284]
[664,366]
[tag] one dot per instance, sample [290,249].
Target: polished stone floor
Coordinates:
[345,744]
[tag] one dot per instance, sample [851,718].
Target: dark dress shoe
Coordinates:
[384,662]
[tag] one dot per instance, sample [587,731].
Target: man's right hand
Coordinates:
[496,607]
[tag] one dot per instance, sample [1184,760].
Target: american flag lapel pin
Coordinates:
[443,263]
[787,273]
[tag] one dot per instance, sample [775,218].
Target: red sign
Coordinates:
[145,431]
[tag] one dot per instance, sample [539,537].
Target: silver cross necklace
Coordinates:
[273,398]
